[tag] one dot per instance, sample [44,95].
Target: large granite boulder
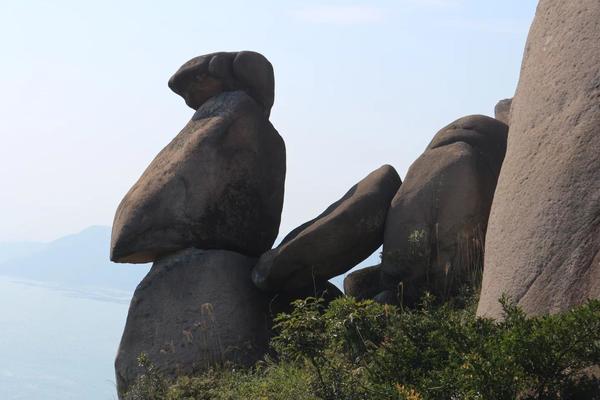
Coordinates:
[199,308]
[543,240]
[206,76]
[436,224]
[218,185]
[346,233]
[193,310]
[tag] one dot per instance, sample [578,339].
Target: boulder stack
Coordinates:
[207,209]
[543,247]
[204,209]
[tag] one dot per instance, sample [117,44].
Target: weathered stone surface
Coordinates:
[436,224]
[543,247]
[346,233]
[206,76]
[194,309]
[218,185]
[197,308]
[502,110]
[364,283]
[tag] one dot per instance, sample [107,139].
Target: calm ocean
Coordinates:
[58,343]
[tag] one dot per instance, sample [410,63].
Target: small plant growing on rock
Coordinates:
[150,385]
[418,254]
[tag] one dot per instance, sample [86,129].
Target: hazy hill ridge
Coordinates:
[75,260]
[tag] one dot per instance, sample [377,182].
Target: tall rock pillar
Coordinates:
[543,238]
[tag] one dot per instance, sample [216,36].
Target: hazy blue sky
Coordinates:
[85,107]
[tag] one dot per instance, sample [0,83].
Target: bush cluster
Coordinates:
[364,350]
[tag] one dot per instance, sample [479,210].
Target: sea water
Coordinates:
[58,342]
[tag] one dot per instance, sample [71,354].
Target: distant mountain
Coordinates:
[11,250]
[82,260]
[76,260]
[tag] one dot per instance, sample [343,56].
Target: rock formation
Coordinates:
[218,185]
[204,209]
[436,224]
[346,233]
[194,309]
[199,308]
[543,247]
[364,283]
[207,209]
[206,76]
[502,110]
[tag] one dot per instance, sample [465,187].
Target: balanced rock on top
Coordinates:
[218,185]
[206,76]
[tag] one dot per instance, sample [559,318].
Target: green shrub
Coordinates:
[151,385]
[364,350]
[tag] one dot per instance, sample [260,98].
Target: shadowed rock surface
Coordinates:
[543,247]
[363,284]
[193,310]
[346,233]
[280,302]
[218,185]
[208,75]
[436,224]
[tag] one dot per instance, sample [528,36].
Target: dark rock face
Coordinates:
[218,185]
[363,284]
[436,224]
[346,233]
[543,247]
[280,302]
[195,308]
[502,110]
[206,76]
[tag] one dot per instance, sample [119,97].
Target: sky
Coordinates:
[84,102]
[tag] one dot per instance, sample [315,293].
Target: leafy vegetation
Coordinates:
[364,350]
